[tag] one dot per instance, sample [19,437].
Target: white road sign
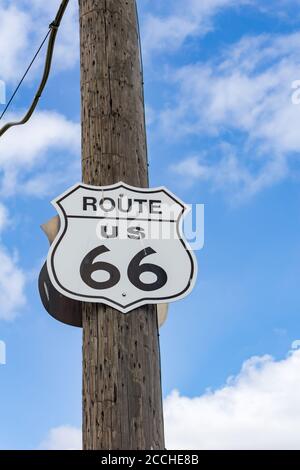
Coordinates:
[121,246]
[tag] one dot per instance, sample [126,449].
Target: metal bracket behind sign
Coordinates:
[58,306]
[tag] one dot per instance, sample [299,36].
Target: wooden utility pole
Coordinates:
[122,397]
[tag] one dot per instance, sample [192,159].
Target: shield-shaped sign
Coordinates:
[121,246]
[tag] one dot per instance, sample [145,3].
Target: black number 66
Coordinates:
[134,271]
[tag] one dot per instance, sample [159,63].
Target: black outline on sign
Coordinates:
[139,190]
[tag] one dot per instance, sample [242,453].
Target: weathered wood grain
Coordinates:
[122,398]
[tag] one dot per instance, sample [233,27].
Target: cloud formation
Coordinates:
[12,277]
[167,33]
[62,438]
[257,409]
[24,155]
[242,101]
[27,170]
[22,27]
[12,286]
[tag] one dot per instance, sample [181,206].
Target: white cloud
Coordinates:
[34,160]
[23,26]
[14,27]
[46,130]
[229,174]
[258,409]
[4,217]
[67,45]
[243,96]
[24,154]
[189,18]
[12,286]
[23,150]
[12,278]
[62,438]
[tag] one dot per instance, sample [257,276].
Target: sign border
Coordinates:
[96,299]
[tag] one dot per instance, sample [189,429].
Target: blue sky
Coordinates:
[222,131]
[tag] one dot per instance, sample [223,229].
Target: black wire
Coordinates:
[25,75]
[52,33]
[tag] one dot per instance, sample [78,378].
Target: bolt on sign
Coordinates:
[121,246]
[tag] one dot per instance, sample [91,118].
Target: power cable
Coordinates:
[24,76]
[52,33]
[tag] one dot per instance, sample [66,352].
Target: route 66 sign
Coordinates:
[121,246]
